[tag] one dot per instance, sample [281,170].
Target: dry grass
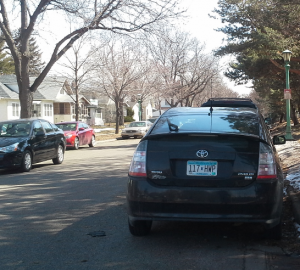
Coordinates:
[279,129]
[108,134]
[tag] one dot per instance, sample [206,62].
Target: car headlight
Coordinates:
[9,148]
[68,136]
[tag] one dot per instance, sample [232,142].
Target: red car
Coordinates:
[77,133]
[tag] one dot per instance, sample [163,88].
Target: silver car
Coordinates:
[136,129]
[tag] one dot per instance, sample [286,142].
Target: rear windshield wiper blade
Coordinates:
[172,127]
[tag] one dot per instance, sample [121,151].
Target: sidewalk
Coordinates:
[289,154]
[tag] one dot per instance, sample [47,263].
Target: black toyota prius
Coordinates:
[209,164]
[27,141]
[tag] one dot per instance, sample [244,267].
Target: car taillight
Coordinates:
[138,162]
[267,165]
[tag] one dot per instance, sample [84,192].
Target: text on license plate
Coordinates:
[202,168]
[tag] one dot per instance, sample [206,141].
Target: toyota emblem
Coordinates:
[202,153]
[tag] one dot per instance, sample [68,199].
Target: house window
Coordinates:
[48,109]
[84,109]
[61,108]
[15,109]
[36,110]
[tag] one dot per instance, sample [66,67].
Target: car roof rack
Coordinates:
[229,102]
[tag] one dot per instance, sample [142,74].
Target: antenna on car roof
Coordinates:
[211,107]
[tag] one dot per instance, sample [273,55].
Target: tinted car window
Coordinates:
[47,126]
[137,124]
[15,129]
[37,127]
[85,126]
[231,123]
[67,127]
[55,127]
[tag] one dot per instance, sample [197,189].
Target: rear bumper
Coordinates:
[131,134]
[259,203]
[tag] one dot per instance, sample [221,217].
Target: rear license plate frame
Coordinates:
[202,168]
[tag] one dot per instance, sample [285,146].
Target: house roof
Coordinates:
[48,90]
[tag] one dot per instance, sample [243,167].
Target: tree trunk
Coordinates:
[121,121]
[117,103]
[26,98]
[294,116]
[76,105]
[281,117]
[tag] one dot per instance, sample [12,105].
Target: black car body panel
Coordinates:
[42,144]
[232,137]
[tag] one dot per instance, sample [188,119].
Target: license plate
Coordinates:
[202,168]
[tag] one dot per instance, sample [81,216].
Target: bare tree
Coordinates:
[184,67]
[121,66]
[78,68]
[111,15]
[216,88]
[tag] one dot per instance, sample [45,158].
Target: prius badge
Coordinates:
[202,153]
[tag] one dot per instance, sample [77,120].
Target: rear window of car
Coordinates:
[67,127]
[137,124]
[217,123]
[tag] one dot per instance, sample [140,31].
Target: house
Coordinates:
[53,101]
[147,111]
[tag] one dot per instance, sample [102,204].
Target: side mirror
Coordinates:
[279,140]
[81,129]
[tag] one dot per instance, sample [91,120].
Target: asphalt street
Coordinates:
[48,218]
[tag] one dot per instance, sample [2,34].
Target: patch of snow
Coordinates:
[102,129]
[297,226]
[286,151]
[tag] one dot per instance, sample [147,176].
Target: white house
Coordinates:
[146,111]
[53,101]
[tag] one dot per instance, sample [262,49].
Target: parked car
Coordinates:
[136,129]
[152,120]
[198,164]
[24,142]
[77,134]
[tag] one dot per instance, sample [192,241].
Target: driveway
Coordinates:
[48,218]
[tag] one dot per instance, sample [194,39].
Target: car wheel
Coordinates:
[76,143]
[124,137]
[26,162]
[135,137]
[140,227]
[93,142]
[60,156]
[274,233]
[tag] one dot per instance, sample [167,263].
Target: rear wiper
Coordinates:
[172,127]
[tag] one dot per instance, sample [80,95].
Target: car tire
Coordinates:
[59,155]
[76,144]
[125,137]
[93,142]
[135,137]
[140,227]
[26,164]
[274,233]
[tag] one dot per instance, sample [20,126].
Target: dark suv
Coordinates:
[198,164]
